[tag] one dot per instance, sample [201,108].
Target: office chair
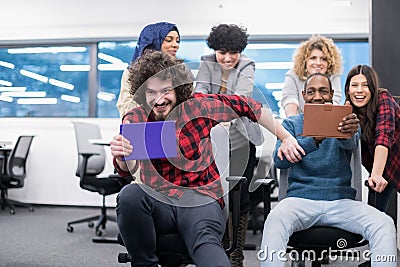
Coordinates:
[170,248]
[265,170]
[91,162]
[320,238]
[15,172]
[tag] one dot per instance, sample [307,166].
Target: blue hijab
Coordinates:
[152,37]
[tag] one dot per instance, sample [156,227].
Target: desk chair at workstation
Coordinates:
[91,162]
[320,238]
[170,248]
[15,172]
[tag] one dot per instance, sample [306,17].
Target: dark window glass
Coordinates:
[44,81]
[113,59]
[54,81]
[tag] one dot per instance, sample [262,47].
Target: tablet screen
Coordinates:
[151,140]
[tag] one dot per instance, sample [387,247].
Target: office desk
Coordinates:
[5,143]
[101,142]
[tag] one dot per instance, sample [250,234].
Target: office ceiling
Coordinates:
[43,19]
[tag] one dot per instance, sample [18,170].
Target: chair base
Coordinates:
[11,204]
[100,224]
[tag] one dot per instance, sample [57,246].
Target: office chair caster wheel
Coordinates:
[90,224]
[70,229]
[99,233]
[12,212]
[124,258]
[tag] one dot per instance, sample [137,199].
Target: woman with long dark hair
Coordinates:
[379,116]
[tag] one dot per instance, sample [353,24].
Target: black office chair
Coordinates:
[91,162]
[264,170]
[15,172]
[320,238]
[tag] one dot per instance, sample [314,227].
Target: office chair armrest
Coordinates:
[266,185]
[124,180]
[235,185]
[88,154]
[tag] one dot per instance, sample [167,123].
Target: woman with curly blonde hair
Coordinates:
[317,54]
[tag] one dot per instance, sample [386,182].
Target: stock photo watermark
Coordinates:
[341,253]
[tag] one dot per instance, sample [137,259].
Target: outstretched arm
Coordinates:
[289,147]
[376,181]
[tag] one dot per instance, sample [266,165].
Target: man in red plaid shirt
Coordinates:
[184,194]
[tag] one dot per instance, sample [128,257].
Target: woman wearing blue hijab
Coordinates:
[161,36]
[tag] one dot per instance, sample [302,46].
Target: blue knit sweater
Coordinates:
[325,172]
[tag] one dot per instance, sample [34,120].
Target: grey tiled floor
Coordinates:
[40,239]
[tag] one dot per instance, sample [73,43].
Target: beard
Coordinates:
[160,117]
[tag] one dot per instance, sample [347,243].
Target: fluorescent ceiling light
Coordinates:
[7,65]
[105,96]
[74,67]
[5,83]
[12,89]
[109,58]
[120,66]
[37,101]
[39,50]
[25,94]
[61,84]
[112,45]
[272,46]
[274,86]
[6,98]
[34,75]
[274,65]
[277,95]
[70,98]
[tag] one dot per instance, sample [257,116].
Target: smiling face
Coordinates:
[318,90]
[170,44]
[160,97]
[359,92]
[316,62]
[227,59]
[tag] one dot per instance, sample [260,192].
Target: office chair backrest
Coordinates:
[356,180]
[84,132]
[220,143]
[17,160]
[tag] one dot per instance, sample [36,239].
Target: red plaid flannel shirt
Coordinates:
[195,166]
[387,133]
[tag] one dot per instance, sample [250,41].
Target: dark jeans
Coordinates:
[141,218]
[242,163]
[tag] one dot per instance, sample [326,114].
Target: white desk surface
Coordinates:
[5,143]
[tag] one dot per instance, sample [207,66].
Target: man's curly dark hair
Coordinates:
[160,65]
[228,37]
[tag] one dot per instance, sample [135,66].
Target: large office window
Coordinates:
[44,81]
[113,58]
[84,80]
